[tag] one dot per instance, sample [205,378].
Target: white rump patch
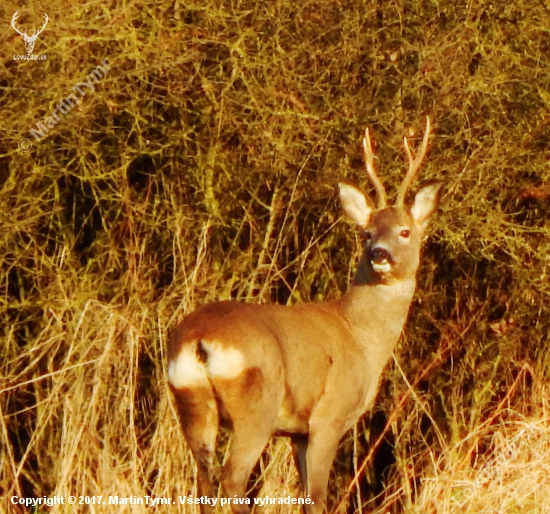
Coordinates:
[223,361]
[185,370]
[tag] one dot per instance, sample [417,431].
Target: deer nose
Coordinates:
[379,255]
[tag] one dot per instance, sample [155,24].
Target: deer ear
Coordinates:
[356,205]
[425,203]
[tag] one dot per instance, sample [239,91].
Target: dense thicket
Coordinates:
[203,166]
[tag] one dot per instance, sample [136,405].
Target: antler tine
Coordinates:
[371,172]
[45,23]
[414,164]
[13,20]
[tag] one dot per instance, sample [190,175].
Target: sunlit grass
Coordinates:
[203,167]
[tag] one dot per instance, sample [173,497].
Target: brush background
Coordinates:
[203,167]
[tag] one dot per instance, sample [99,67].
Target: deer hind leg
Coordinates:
[199,419]
[250,406]
[244,451]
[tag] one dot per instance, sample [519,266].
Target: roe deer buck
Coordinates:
[308,371]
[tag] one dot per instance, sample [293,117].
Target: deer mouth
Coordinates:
[381,267]
[381,260]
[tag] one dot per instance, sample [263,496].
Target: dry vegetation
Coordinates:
[203,167]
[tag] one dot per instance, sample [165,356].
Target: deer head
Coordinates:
[392,234]
[29,40]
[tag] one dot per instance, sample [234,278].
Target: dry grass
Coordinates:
[202,167]
[512,476]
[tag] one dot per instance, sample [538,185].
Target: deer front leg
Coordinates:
[321,451]
[299,449]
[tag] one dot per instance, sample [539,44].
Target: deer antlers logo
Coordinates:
[29,40]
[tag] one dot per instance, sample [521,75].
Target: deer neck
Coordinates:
[376,313]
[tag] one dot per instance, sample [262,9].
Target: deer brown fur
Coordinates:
[307,371]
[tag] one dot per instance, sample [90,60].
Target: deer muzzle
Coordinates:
[381,259]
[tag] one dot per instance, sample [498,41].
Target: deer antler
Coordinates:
[371,172]
[43,26]
[24,34]
[414,164]
[13,20]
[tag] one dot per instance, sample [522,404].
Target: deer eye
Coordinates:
[405,233]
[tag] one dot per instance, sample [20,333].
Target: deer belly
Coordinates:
[292,419]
